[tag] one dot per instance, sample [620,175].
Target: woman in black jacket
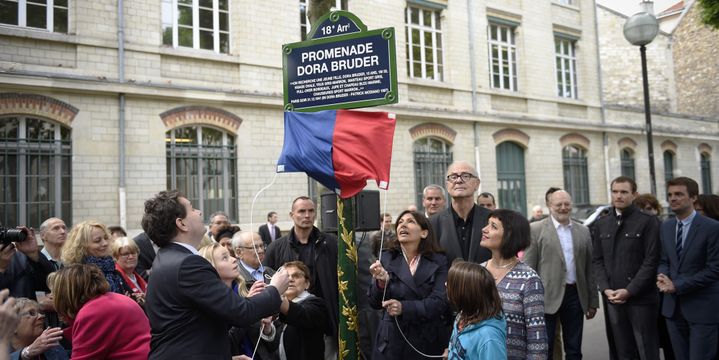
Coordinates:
[302,318]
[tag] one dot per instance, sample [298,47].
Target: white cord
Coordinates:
[257,254]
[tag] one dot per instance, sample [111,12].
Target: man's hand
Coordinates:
[590,313]
[665,284]
[619,296]
[8,316]
[29,246]
[280,280]
[6,255]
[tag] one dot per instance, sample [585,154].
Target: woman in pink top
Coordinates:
[102,324]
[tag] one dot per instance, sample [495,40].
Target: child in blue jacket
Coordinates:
[479,331]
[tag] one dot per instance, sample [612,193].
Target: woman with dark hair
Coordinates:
[649,204]
[102,324]
[480,331]
[520,288]
[409,284]
[708,205]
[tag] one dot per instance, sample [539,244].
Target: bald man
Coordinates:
[244,243]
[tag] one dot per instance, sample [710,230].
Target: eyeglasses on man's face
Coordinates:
[464,176]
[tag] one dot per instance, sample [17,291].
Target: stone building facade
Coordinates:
[190,96]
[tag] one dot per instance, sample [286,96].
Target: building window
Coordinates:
[566,62]
[201,164]
[50,15]
[566,2]
[305,25]
[668,165]
[705,164]
[511,184]
[627,158]
[424,43]
[502,57]
[35,171]
[576,178]
[432,157]
[197,24]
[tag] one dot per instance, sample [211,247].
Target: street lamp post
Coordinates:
[640,30]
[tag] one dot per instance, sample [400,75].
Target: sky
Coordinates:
[631,7]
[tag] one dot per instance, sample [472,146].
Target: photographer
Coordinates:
[22,268]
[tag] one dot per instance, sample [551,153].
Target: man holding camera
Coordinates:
[22,269]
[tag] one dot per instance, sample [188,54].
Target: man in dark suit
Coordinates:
[189,307]
[459,228]
[688,274]
[270,232]
[626,255]
[146,256]
[561,253]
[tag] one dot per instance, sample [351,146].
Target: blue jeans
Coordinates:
[571,316]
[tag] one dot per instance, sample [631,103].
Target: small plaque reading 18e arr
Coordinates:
[342,66]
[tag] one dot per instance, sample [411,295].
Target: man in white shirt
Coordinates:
[561,253]
[270,232]
[53,233]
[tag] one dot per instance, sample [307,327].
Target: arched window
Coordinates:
[576,178]
[201,163]
[627,158]
[511,187]
[432,156]
[35,171]
[706,169]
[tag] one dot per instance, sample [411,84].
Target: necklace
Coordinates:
[512,262]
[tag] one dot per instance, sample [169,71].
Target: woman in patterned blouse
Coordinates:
[520,288]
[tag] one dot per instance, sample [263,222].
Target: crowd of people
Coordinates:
[463,279]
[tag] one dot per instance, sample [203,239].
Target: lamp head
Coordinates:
[641,29]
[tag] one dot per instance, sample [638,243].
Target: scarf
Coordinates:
[107,266]
[140,281]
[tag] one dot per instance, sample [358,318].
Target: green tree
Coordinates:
[710,12]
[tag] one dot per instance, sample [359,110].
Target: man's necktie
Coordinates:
[680,228]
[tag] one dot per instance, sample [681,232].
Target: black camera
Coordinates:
[8,236]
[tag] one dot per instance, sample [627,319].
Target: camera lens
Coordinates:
[12,235]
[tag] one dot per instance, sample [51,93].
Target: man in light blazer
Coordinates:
[459,227]
[688,274]
[190,309]
[561,253]
[270,232]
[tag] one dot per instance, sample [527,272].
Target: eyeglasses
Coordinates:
[259,247]
[464,176]
[128,255]
[32,313]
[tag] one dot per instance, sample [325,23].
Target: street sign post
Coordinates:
[341,66]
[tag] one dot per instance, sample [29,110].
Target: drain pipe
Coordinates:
[605,136]
[121,114]
[473,72]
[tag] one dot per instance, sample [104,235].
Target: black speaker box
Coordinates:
[366,211]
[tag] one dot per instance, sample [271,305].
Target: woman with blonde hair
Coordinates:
[89,243]
[126,252]
[242,339]
[102,324]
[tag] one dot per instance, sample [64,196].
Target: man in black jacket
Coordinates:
[189,307]
[318,251]
[626,256]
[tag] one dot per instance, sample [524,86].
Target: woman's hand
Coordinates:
[139,297]
[256,288]
[267,325]
[48,339]
[378,272]
[8,315]
[393,307]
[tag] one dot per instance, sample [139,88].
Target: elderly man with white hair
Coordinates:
[250,251]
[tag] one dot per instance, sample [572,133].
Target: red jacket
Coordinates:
[110,326]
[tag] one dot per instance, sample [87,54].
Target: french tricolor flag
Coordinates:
[341,149]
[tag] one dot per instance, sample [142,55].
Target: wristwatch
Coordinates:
[25,354]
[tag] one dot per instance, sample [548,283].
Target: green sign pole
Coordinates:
[347,278]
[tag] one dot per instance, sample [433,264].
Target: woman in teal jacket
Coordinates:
[479,331]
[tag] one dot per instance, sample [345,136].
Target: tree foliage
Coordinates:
[710,12]
[317,8]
